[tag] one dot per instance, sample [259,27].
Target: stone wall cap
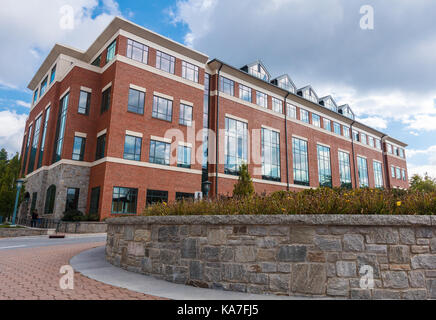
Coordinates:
[324,219]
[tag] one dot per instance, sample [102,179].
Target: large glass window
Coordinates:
[162,109]
[29,136]
[345,170]
[337,128]
[185,116]
[136,101]
[316,120]
[389,147]
[284,83]
[132,148]
[50,199]
[304,115]
[180,196]
[403,174]
[277,105]
[43,86]
[301,165]
[184,157]
[137,51]
[189,71]
[362,167]
[110,55]
[270,155]
[261,99]
[227,86]
[97,61]
[378,174]
[79,148]
[156,196]
[292,111]
[72,202]
[124,200]
[53,74]
[393,172]
[327,125]
[236,144]
[356,136]
[101,145]
[324,166]
[44,134]
[398,173]
[84,102]
[401,153]
[105,100]
[95,200]
[160,152]
[244,93]
[60,132]
[371,141]
[378,144]
[346,131]
[35,142]
[35,96]
[363,138]
[165,62]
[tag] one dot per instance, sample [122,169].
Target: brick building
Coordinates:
[123,124]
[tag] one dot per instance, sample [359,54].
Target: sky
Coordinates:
[385,73]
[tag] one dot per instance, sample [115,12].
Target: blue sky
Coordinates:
[385,74]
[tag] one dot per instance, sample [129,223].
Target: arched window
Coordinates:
[50,199]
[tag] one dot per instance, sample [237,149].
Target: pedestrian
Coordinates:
[34,218]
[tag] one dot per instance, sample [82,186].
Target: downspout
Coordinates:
[286,141]
[354,157]
[217,128]
[385,164]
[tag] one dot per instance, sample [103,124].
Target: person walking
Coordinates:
[34,218]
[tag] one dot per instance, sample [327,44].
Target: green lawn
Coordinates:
[9,227]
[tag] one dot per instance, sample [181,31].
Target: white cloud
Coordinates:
[422,170]
[11,130]
[31,28]
[427,159]
[374,122]
[23,103]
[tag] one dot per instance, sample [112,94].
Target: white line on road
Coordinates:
[12,247]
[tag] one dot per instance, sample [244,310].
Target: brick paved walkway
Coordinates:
[33,274]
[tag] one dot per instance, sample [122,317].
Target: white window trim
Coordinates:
[89,90]
[134,134]
[162,95]
[64,94]
[80,134]
[107,87]
[185,144]
[186,103]
[102,132]
[236,118]
[138,88]
[323,145]
[160,139]
[270,128]
[299,137]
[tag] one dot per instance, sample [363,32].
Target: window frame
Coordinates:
[87,104]
[186,66]
[324,166]
[183,120]
[132,44]
[157,112]
[124,205]
[106,100]
[300,168]
[75,200]
[100,147]
[137,144]
[81,155]
[154,144]
[270,142]
[139,108]
[166,57]
[260,96]
[184,158]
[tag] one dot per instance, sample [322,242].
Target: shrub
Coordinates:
[244,187]
[76,215]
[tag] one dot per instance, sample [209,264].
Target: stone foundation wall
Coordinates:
[22,232]
[310,255]
[82,227]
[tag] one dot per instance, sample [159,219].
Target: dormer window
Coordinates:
[309,94]
[284,82]
[329,103]
[346,111]
[258,70]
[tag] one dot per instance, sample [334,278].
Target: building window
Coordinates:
[180,196]
[184,157]
[79,148]
[35,142]
[33,204]
[346,131]
[156,196]
[205,126]
[124,200]
[327,125]
[165,62]
[389,147]
[345,170]
[84,102]
[292,111]
[162,109]
[137,51]
[44,134]
[227,86]
[362,168]
[284,83]
[261,99]
[185,116]
[396,151]
[43,86]
[355,135]
[189,71]
[52,74]
[235,147]
[378,144]
[97,61]
[105,100]
[304,115]
[324,166]
[29,136]
[72,202]
[371,141]
[50,199]
[398,173]
[403,174]
[300,158]
[401,151]
[160,152]
[95,200]
[132,148]
[337,128]
[244,93]
[393,172]
[378,174]
[35,96]
[270,155]
[277,105]
[60,132]
[136,101]
[363,138]
[110,55]
[101,145]
[316,120]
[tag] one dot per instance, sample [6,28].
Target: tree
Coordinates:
[244,187]
[9,173]
[423,184]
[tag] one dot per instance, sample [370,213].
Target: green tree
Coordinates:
[9,173]
[244,187]
[423,184]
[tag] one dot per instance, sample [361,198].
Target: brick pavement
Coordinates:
[33,274]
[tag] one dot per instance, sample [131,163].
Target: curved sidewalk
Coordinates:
[92,264]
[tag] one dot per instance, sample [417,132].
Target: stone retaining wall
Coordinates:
[82,227]
[310,255]
[22,232]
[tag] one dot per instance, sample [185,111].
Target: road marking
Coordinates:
[11,247]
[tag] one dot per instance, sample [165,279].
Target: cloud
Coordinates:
[11,130]
[22,103]
[33,28]
[421,161]
[375,122]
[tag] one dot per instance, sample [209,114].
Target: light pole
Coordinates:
[19,185]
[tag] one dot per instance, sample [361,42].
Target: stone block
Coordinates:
[257,231]
[284,267]
[417,279]
[135,249]
[377,248]
[258,278]
[240,230]
[245,254]
[168,234]
[399,267]
[423,242]
[316,257]
[266,242]
[407,235]
[195,270]
[129,233]
[420,249]
[399,254]
[424,232]
[395,279]
[302,235]
[360,294]
[338,287]
[212,274]
[432,289]
[226,254]
[386,294]
[279,282]
[368,259]
[216,236]
[268,267]
[309,279]
[292,253]
[234,272]
[346,269]
[416,294]
[327,243]
[433,245]
[210,253]
[424,261]
[383,235]
[353,242]
[168,257]
[142,235]
[189,248]
[266,255]
[278,231]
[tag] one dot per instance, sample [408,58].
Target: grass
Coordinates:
[313,201]
[6,226]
